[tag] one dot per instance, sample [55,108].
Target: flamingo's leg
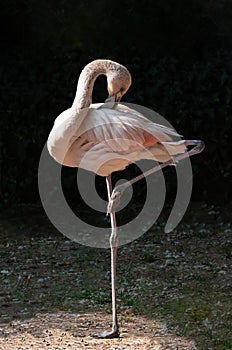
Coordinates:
[113,246]
[118,190]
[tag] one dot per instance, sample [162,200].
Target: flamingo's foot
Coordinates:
[107,335]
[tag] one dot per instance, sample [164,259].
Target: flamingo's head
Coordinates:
[118,81]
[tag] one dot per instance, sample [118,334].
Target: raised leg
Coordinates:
[118,190]
[113,246]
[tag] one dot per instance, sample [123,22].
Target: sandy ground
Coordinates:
[72,331]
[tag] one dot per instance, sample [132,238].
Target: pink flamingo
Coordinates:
[103,139]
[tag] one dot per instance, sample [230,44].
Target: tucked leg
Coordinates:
[118,190]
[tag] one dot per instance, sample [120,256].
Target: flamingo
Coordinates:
[104,138]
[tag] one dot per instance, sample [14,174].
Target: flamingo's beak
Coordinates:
[111,98]
[110,102]
[114,97]
[118,96]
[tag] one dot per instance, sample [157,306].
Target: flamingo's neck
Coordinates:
[85,84]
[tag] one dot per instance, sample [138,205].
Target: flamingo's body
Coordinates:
[103,139]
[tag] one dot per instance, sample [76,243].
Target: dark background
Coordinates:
[180,57]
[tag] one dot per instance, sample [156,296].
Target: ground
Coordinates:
[174,290]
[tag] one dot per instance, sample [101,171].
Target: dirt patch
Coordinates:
[72,331]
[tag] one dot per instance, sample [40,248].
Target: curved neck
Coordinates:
[86,82]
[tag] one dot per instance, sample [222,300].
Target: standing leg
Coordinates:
[113,246]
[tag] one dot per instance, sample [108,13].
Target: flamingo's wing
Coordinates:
[122,129]
[109,138]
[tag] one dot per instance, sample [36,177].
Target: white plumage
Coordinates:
[109,138]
